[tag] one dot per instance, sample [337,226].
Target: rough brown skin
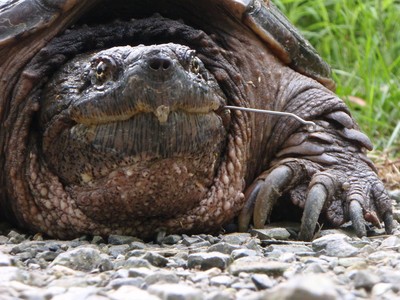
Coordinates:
[262,156]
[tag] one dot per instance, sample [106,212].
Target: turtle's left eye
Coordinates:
[103,69]
[195,65]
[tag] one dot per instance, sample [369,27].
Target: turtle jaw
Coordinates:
[138,165]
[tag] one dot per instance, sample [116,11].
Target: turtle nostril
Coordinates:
[159,63]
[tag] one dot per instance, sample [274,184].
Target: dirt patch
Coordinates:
[388,168]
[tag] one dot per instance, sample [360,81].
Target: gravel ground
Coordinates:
[262,264]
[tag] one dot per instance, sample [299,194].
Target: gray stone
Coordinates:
[221,280]
[396,214]
[179,260]
[208,260]
[244,285]
[105,264]
[388,275]
[314,268]
[198,246]
[395,194]
[271,233]
[98,240]
[76,293]
[390,242]
[137,245]
[223,247]
[353,262]
[27,255]
[139,272]
[121,273]
[13,274]
[365,279]
[210,238]
[3,239]
[255,264]
[287,257]
[155,259]
[118,282]
[134,262]
[116,250]
[298,249]
[47,255]
[262,281]
[310,287]
[15,237]
[335,245]
[238,253]
[136,253]
[130,292]
[83,259]
[161,277]
[172,239]
[221,295]
[5,260]
[191,240]
[382,289]
[175,292]
[237,238]
[120,239]
[322,242]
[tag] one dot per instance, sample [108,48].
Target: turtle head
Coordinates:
[125,123]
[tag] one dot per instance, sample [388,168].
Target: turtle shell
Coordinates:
[25,17]
[268,22]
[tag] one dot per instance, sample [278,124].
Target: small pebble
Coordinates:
[255,264]
[175,292]
[208,260]
[82,259]
[365,279]
[120,239]
[310,287]
[271,233]
[335,245]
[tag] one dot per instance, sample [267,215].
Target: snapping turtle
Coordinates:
[114,121]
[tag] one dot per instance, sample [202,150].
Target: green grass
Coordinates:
[360,39]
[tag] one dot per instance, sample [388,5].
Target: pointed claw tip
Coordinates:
[316,198]
[372,217]
[305,236]
[357,218]
[388,221]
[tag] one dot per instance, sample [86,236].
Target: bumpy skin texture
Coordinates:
[135,139]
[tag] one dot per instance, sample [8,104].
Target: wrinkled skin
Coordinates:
[102,138]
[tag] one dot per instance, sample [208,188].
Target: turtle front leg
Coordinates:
[326,173]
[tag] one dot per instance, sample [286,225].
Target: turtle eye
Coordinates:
[195,65]
[103,69]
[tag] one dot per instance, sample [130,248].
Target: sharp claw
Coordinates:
[248,208]
[274,185]
[384,205]
[388,221]
[372,217]
[357,218]
[316,199]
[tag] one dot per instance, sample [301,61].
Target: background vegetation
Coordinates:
[360,39]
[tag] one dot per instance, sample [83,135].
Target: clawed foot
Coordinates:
[338,184]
